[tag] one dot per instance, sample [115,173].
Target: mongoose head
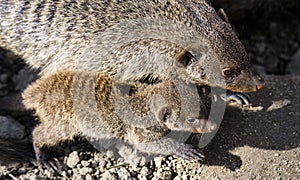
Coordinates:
[224,61]
[178,113]
[237,77]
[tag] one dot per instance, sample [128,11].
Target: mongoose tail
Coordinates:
[14,151]
[156,110]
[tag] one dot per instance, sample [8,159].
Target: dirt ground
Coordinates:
[262,142]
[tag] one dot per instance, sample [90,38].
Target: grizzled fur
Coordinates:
[53,35]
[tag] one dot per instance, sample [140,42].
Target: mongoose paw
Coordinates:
[189,152]
[44,160]
[240,98]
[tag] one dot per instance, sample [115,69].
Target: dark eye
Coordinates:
[228,72]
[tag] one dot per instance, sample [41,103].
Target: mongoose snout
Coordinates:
[201,125]
[246,81]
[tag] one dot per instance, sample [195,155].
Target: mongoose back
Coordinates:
[157,109]
[53,35]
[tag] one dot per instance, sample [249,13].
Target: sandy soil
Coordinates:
[262,142]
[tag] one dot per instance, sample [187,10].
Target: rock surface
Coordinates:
[10,128]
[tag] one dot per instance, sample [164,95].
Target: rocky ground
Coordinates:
[260,142]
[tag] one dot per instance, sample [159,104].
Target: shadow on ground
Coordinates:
[275,127]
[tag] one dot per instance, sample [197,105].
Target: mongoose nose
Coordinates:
[260,87]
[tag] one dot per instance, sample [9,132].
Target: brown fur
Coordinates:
[70,104]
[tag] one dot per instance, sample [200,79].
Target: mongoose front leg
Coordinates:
[170,146]
[42,137]
[46,135]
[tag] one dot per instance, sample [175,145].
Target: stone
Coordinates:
[73,159]
[10,128]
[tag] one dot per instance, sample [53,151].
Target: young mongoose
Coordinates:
[154,39]
[69,104]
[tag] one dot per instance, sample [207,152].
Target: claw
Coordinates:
[245,98]
[240,98]
[44,160]
[189,152]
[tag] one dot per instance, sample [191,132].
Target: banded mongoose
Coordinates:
[69,104]
[130,40]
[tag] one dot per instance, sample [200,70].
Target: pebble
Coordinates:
[141,177]
[185,177]
[102,164]
[108,176]
[286,102]
[47,173]
[85,163]
[144,171]
[158,161]
[33,177]
[165,175]
[177,178]
[77,177]
[88,177]
[73,159]
[64,174]
[85,170]
[123,173]
[109,154]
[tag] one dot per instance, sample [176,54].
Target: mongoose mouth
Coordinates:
[247,81]
[246,87]
[198,131]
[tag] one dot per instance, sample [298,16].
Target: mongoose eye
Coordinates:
[227,72]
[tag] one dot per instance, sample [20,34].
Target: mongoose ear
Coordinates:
[223,15]
[184,58]
[164,114]
[125,89]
